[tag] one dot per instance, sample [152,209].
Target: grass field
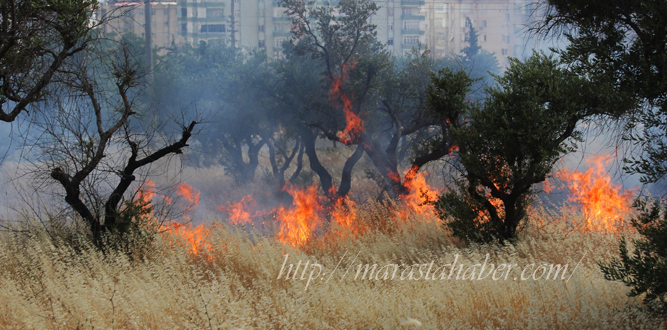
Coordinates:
[232,282]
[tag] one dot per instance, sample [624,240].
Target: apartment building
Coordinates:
[500,25]
[129,17]
[401,24]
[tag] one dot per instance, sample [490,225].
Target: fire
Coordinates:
[497,204]
[299,222]
[354,124]
[344,215]
[603,203]
[189,193]
[238,213]
[195,238]
[452,150]
[419,194]
[147,191]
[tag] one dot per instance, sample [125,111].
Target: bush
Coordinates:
[135,228]
[646,269]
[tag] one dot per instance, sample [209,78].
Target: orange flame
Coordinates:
[147,191]
[453,149]
[238,213]
[299,222]
[354,124]
[603,203]
[190,194]
[343,214]
[419,194]
[196,239]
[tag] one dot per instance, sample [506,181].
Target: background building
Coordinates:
[501,26]
[401,24]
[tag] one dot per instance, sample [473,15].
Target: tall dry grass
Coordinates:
[47,284]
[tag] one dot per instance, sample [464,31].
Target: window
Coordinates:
[390,42]
[410,40]
[484,23]
[485,37]
[507,17]
[262,44]
[439,22]
[184,27]
[213,28]
[409,11]
[261,28]
[166,36]
[410,25]
[390,11]
[440,7]
[184,12]
[153,12]
[280,27]
[278,42]
[166,12]
[215,12]
[504,51]
[506,38]
[141,13]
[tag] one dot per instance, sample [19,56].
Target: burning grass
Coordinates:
[231,282]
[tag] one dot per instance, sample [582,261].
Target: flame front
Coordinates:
[238,213]
[344,215]
[419,194]
[354,124]
[195,238]
[299,222]
[603,204]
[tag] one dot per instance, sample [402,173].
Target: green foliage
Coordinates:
[134,229]
[38,38]
[332,33]
[479,63]
[462,213]
[512,141]
[645,269]
[627,42]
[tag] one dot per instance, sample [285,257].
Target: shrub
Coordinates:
[645,270]
[135,228]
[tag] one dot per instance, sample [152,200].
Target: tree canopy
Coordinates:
[627,42]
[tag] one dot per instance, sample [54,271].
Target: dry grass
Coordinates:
[45,286]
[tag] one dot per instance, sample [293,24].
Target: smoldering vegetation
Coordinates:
[235,285]
[170,198]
